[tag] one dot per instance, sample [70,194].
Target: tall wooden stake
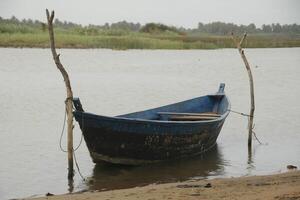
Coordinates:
[69,99]
[250,123]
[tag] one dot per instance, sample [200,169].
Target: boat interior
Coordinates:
[208,107]
[202,108]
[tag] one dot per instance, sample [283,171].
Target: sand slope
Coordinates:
[284,186]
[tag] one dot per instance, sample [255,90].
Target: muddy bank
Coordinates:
[280,186]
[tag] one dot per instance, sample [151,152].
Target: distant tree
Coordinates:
[58,23]
[13,19]
[29,22]
[106,26]
[127,26]
[201,26]
[157,28]
[276,28]
[266,28]
[294,28]
[251,28]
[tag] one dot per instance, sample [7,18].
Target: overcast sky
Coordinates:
[186,13]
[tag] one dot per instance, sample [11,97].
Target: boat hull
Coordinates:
[151,136]
[134,142]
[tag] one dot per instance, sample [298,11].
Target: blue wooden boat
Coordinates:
[173,131]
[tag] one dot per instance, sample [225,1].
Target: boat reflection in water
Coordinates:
[108,176]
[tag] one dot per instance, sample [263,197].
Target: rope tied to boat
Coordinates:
[62,133]
[77,166]
[240,113]
[74,150]
[248,117]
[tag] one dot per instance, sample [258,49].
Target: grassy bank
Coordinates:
[100,41]
[141,41]
[127,35]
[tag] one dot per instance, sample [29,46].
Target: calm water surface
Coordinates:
[116,82]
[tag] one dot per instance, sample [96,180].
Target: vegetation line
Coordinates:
[125,35]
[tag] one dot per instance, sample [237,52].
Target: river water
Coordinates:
[111,82]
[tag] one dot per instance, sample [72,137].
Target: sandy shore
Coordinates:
[281,187]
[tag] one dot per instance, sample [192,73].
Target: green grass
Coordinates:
[15,33]
[135,40]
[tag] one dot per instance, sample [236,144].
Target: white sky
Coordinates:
[186,13]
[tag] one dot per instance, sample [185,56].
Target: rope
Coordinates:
[77,166]
[76,163]
[62,133]
[256,137]
[240,113]
[79,143]
[63,150]
[254,134]
[248,117]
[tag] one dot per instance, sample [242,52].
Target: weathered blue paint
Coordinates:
[146,137]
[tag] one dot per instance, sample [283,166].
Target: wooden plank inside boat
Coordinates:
[192,118]
[206,114]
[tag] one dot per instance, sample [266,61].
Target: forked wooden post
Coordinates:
[241,51]
[68,102]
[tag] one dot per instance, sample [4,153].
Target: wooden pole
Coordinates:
[251,115]
[69,99]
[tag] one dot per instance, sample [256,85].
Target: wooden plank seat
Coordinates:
[174,116]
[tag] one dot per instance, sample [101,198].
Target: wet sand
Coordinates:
[280,186]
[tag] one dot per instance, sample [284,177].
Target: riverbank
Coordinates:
[280,186]
[142,41]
